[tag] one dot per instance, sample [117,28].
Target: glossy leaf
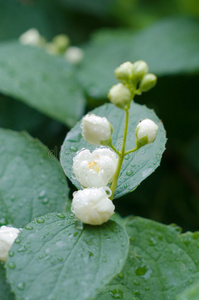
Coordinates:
[136,166]
[31,180]
[5,292]
[57,257]
[162,262]
[42,81]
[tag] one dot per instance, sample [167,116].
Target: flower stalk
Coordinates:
[99,170]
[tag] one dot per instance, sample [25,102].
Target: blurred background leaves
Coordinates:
[166,34]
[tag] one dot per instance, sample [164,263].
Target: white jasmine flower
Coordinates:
[7,238]
[96,130]
[74,55]
[32,37]
[95,169]
[146,132]
[92,206]
[119,95]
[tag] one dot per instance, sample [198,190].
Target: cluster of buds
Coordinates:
[97,170]
[7,237]
[60,45]
[134,79]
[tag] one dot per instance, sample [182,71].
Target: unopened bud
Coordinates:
[61,43]
[148,82]
[146,132]
[140,68]
[32,38]
[119,95]
[96,130]
[92,205]
[124,72]
[74,55]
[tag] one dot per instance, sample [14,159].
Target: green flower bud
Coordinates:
[119,95]
[124,72]
[61,43]
[148,82]
[145,132]
[140,68]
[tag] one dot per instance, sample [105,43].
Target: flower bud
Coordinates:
[92,206]
[32,37]
[7,238]
[74,55]
[124,71]
[95,169]
[119,95]
[61,43]
[96,130]
[140,68]
[148,82]
[146,132]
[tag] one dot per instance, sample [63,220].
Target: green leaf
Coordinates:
[163,46]
[192,293]
[40,80]
[46,17]
[57,257]
[161,263]
[4,286]
[31,180]
[136,166]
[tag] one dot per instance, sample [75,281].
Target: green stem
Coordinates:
[130,151]
[114,149]
[121,154]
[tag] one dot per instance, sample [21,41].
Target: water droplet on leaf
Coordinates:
[40,220]
[73,148]
[128,173]
[11,265]
[28,227]
[42,194]
[116,294]
[21,286]
[60,215]
[11,253]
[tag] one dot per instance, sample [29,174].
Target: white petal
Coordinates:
[7,238]
[95,169]
[92,206]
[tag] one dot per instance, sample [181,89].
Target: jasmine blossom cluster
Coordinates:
[98,171]
[60,45]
